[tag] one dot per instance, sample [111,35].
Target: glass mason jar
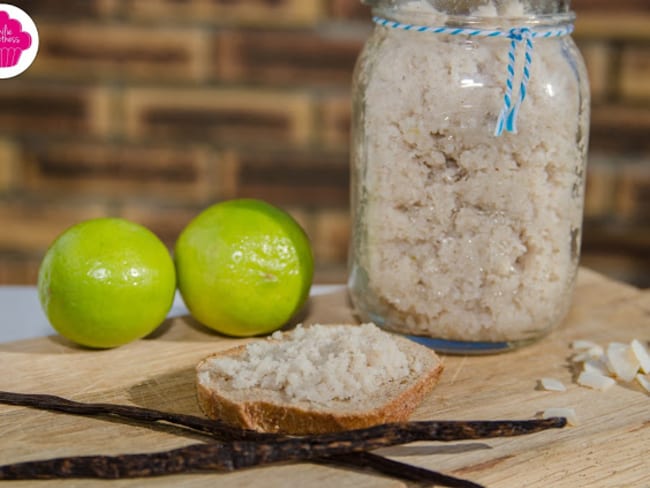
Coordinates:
[468,171]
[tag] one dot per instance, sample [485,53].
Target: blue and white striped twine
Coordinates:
[508,116]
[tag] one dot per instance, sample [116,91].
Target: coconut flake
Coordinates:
[622,361]
[582,345]
[597,366]
[641,354]
[595,381]
[568,413]
[586,354]
[551,384]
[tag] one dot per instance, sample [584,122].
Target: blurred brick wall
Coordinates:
[614,38]
[153,110]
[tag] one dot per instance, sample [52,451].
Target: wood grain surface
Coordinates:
[609,448]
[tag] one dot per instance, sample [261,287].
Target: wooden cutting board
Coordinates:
[610,447]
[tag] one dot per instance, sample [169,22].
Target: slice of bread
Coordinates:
[322,378]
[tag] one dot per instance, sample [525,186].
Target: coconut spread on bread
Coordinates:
[318,363]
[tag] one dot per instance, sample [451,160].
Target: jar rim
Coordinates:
[436,18]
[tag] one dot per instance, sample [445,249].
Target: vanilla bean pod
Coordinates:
[219,430]
[269,448]
[233,455]
[175,462]
[398,432]
[396,468]
[215,428]
[394,433]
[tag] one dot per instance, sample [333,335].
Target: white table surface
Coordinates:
[21,315]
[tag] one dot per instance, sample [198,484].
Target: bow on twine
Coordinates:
[508,116]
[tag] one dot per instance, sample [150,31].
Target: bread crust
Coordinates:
[264,416]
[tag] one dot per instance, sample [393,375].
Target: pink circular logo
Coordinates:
[18,41]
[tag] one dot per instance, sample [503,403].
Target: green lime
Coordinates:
[105,282]
[244,267]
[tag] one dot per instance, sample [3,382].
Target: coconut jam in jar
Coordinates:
[469,143]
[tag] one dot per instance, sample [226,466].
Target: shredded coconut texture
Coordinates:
[319,363]
[460,234]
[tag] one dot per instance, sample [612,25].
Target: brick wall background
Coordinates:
[152,110]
